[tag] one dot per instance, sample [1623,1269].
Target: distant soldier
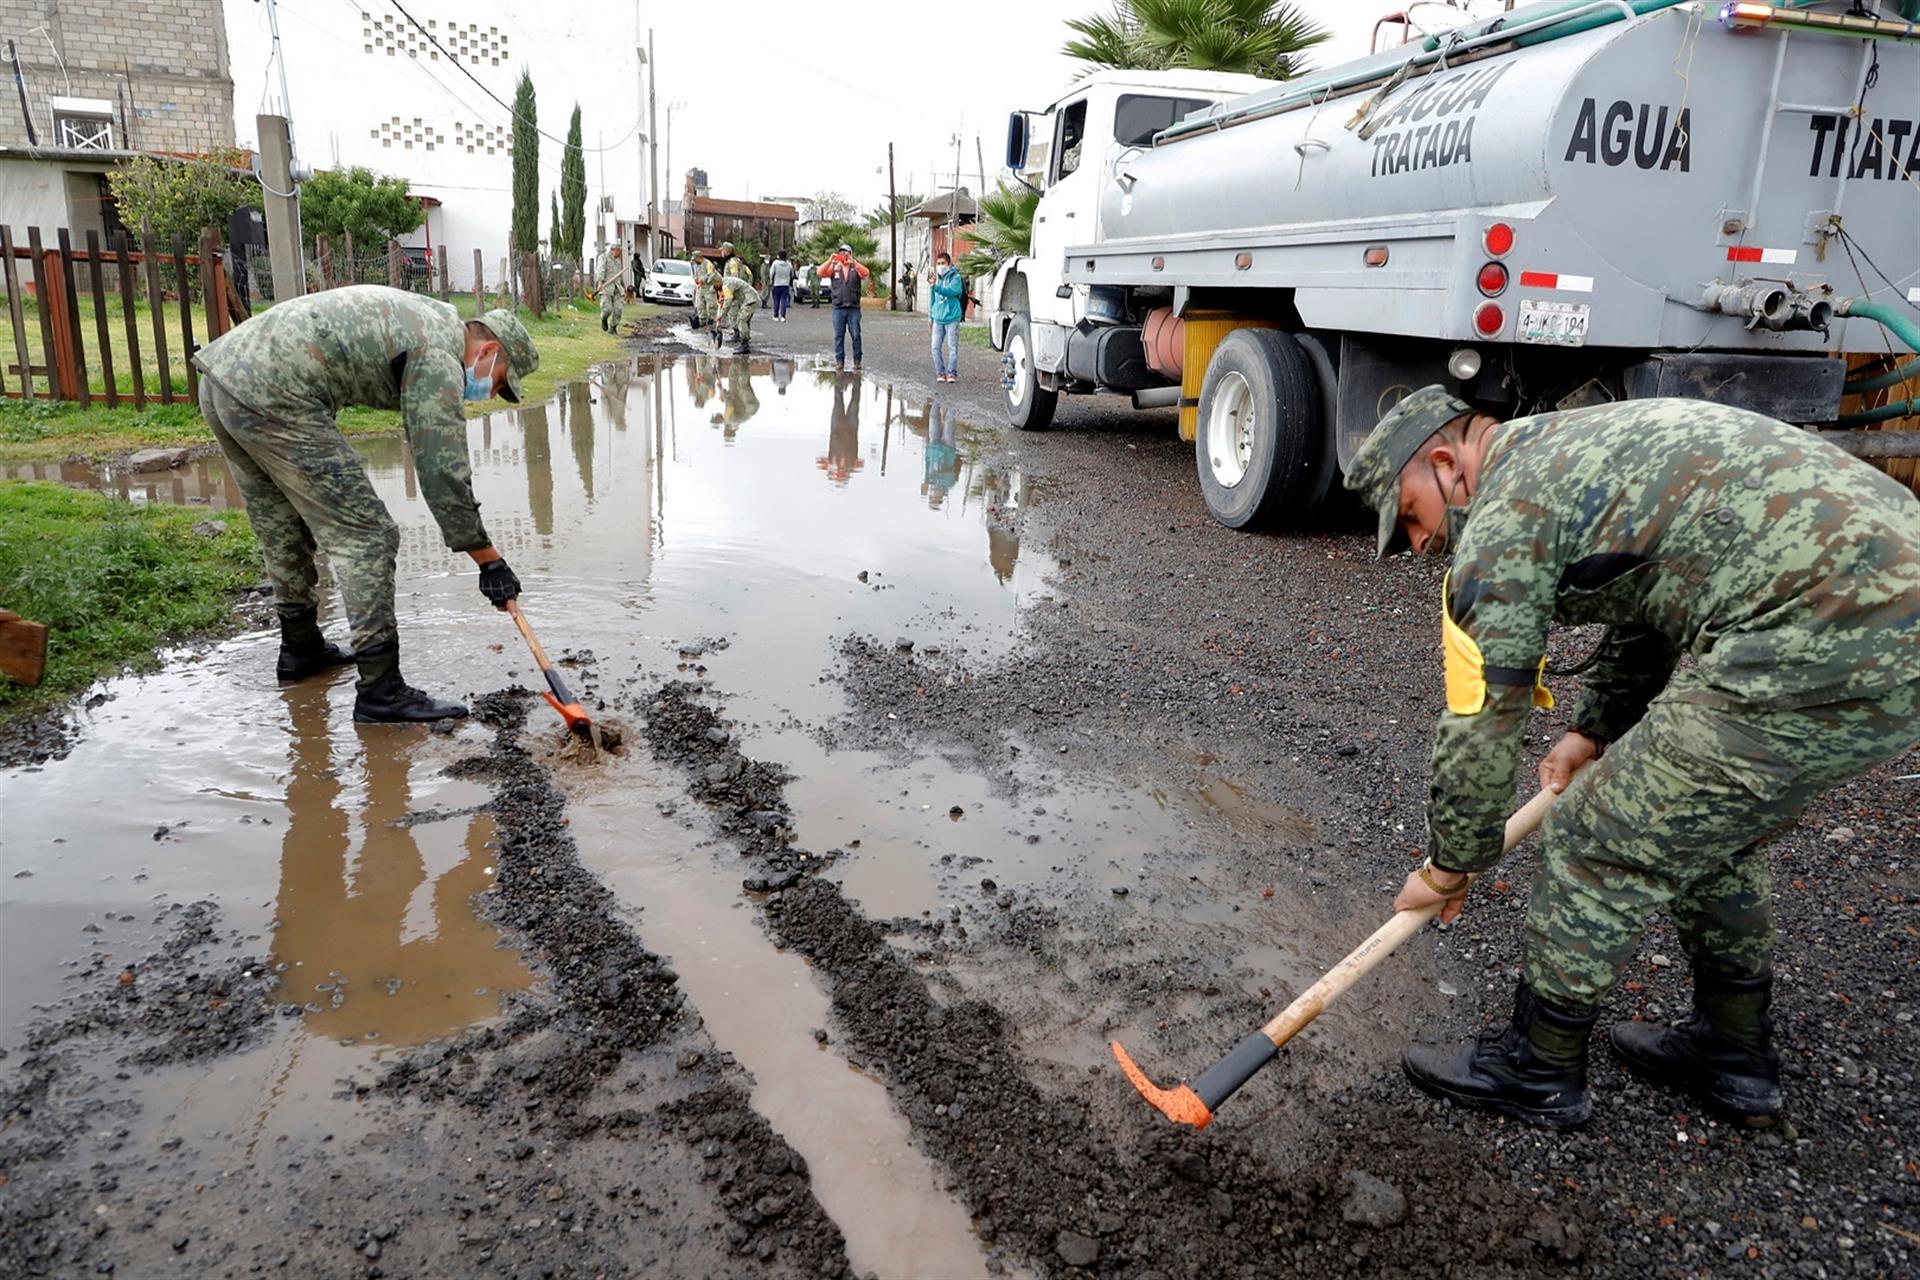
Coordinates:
[738,301]
[734,265]
[706,291]
[270,391]
[611,284]
[1785,570]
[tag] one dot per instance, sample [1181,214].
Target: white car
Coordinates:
[671,280]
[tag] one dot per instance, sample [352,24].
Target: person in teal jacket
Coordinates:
[945,310]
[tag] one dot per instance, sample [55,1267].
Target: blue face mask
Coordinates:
[477,388]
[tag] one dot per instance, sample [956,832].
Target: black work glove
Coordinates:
[498,584]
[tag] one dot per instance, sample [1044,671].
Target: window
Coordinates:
[1139,117]
[83,124]
[707,227]
[738,226]
[1073,131]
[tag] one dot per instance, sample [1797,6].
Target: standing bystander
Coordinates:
[780,278]
[845,276]
[944,310]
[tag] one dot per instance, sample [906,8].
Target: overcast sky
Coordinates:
[826,87]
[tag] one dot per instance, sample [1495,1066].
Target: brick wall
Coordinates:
[172,52]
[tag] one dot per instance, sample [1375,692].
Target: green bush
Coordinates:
[114,581]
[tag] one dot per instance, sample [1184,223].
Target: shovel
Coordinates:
[557,695]
[1194,1104]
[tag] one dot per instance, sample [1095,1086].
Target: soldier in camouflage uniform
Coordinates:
[610,284]
[706,291]
[1785,569]
[738,301]
[270,390]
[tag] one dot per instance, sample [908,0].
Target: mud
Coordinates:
[969,752]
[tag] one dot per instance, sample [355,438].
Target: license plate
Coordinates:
[1555,324]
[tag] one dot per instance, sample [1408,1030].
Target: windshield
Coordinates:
[672,267]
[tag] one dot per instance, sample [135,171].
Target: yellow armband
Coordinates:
[1466,669]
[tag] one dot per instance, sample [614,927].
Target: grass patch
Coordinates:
[113,581]
[976,335]
[568,336]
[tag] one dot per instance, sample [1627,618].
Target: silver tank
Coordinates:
[1640,163]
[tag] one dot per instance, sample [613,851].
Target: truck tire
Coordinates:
[1261,434]
[1030,406]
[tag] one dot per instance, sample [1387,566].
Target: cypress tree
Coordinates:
[573,194]
[555,237]
[524,235]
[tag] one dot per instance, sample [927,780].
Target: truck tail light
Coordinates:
[1498,240]
[1492,280]
[1489,319]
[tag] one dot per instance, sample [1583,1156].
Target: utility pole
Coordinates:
[600,204]
[641,71]
[281,202]
[670,107]
[654,203]
[893,232]
[980,158]
[286,99]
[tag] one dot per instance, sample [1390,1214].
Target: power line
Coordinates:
[459,66]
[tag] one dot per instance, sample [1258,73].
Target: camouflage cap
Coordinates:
[726,246]
[522,357]
[1374,472]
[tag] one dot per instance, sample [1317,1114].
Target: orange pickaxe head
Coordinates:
[574,714]
[1181,1105]
[1194,1104]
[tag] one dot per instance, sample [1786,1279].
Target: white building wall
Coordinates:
[368,89]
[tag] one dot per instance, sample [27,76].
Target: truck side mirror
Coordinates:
[1018,137]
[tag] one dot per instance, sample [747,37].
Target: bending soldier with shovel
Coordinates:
[1786,569]
[1788,572]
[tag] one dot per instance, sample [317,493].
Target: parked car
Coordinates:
[419,268]
[670,281]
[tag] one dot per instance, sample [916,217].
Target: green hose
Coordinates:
[1574,26]
[1885,413]
[1904,326]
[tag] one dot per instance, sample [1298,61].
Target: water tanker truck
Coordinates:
[1568,204]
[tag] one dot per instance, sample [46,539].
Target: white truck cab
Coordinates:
[1069,152]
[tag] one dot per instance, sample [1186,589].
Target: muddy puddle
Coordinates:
[687,517]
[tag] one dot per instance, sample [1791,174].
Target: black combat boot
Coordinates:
[1722,1055]
[603,322]
[303,650]
[740,347]
[385,698]
[1534,1069]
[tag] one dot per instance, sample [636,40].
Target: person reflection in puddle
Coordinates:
[782,371]
[843,431]
[941,456]
[356,946]
[702,375]
[740,402]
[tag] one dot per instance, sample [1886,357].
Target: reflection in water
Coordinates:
[382,947]
[843,431]
[577,407]
[539,454]
[740,402]
[942,458]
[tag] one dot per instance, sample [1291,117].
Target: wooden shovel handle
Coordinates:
[1361,961]
[526,632]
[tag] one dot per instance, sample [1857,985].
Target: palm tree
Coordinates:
[1005,229]
[1254,37]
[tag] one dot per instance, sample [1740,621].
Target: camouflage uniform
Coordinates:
[739,300]
[1789,571]
[270,391]
[610,284]
[706,290]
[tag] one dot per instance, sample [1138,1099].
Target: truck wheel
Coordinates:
[1030,406]
[1261,433]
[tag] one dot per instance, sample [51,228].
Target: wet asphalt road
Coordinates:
[1187,778]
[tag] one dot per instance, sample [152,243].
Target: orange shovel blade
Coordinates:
[1181,1105]
[573,713]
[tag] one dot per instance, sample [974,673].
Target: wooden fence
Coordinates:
[51,280]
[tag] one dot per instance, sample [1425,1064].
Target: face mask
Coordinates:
[478,388]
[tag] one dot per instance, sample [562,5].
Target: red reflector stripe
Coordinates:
[1538,279]
[1743,253]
